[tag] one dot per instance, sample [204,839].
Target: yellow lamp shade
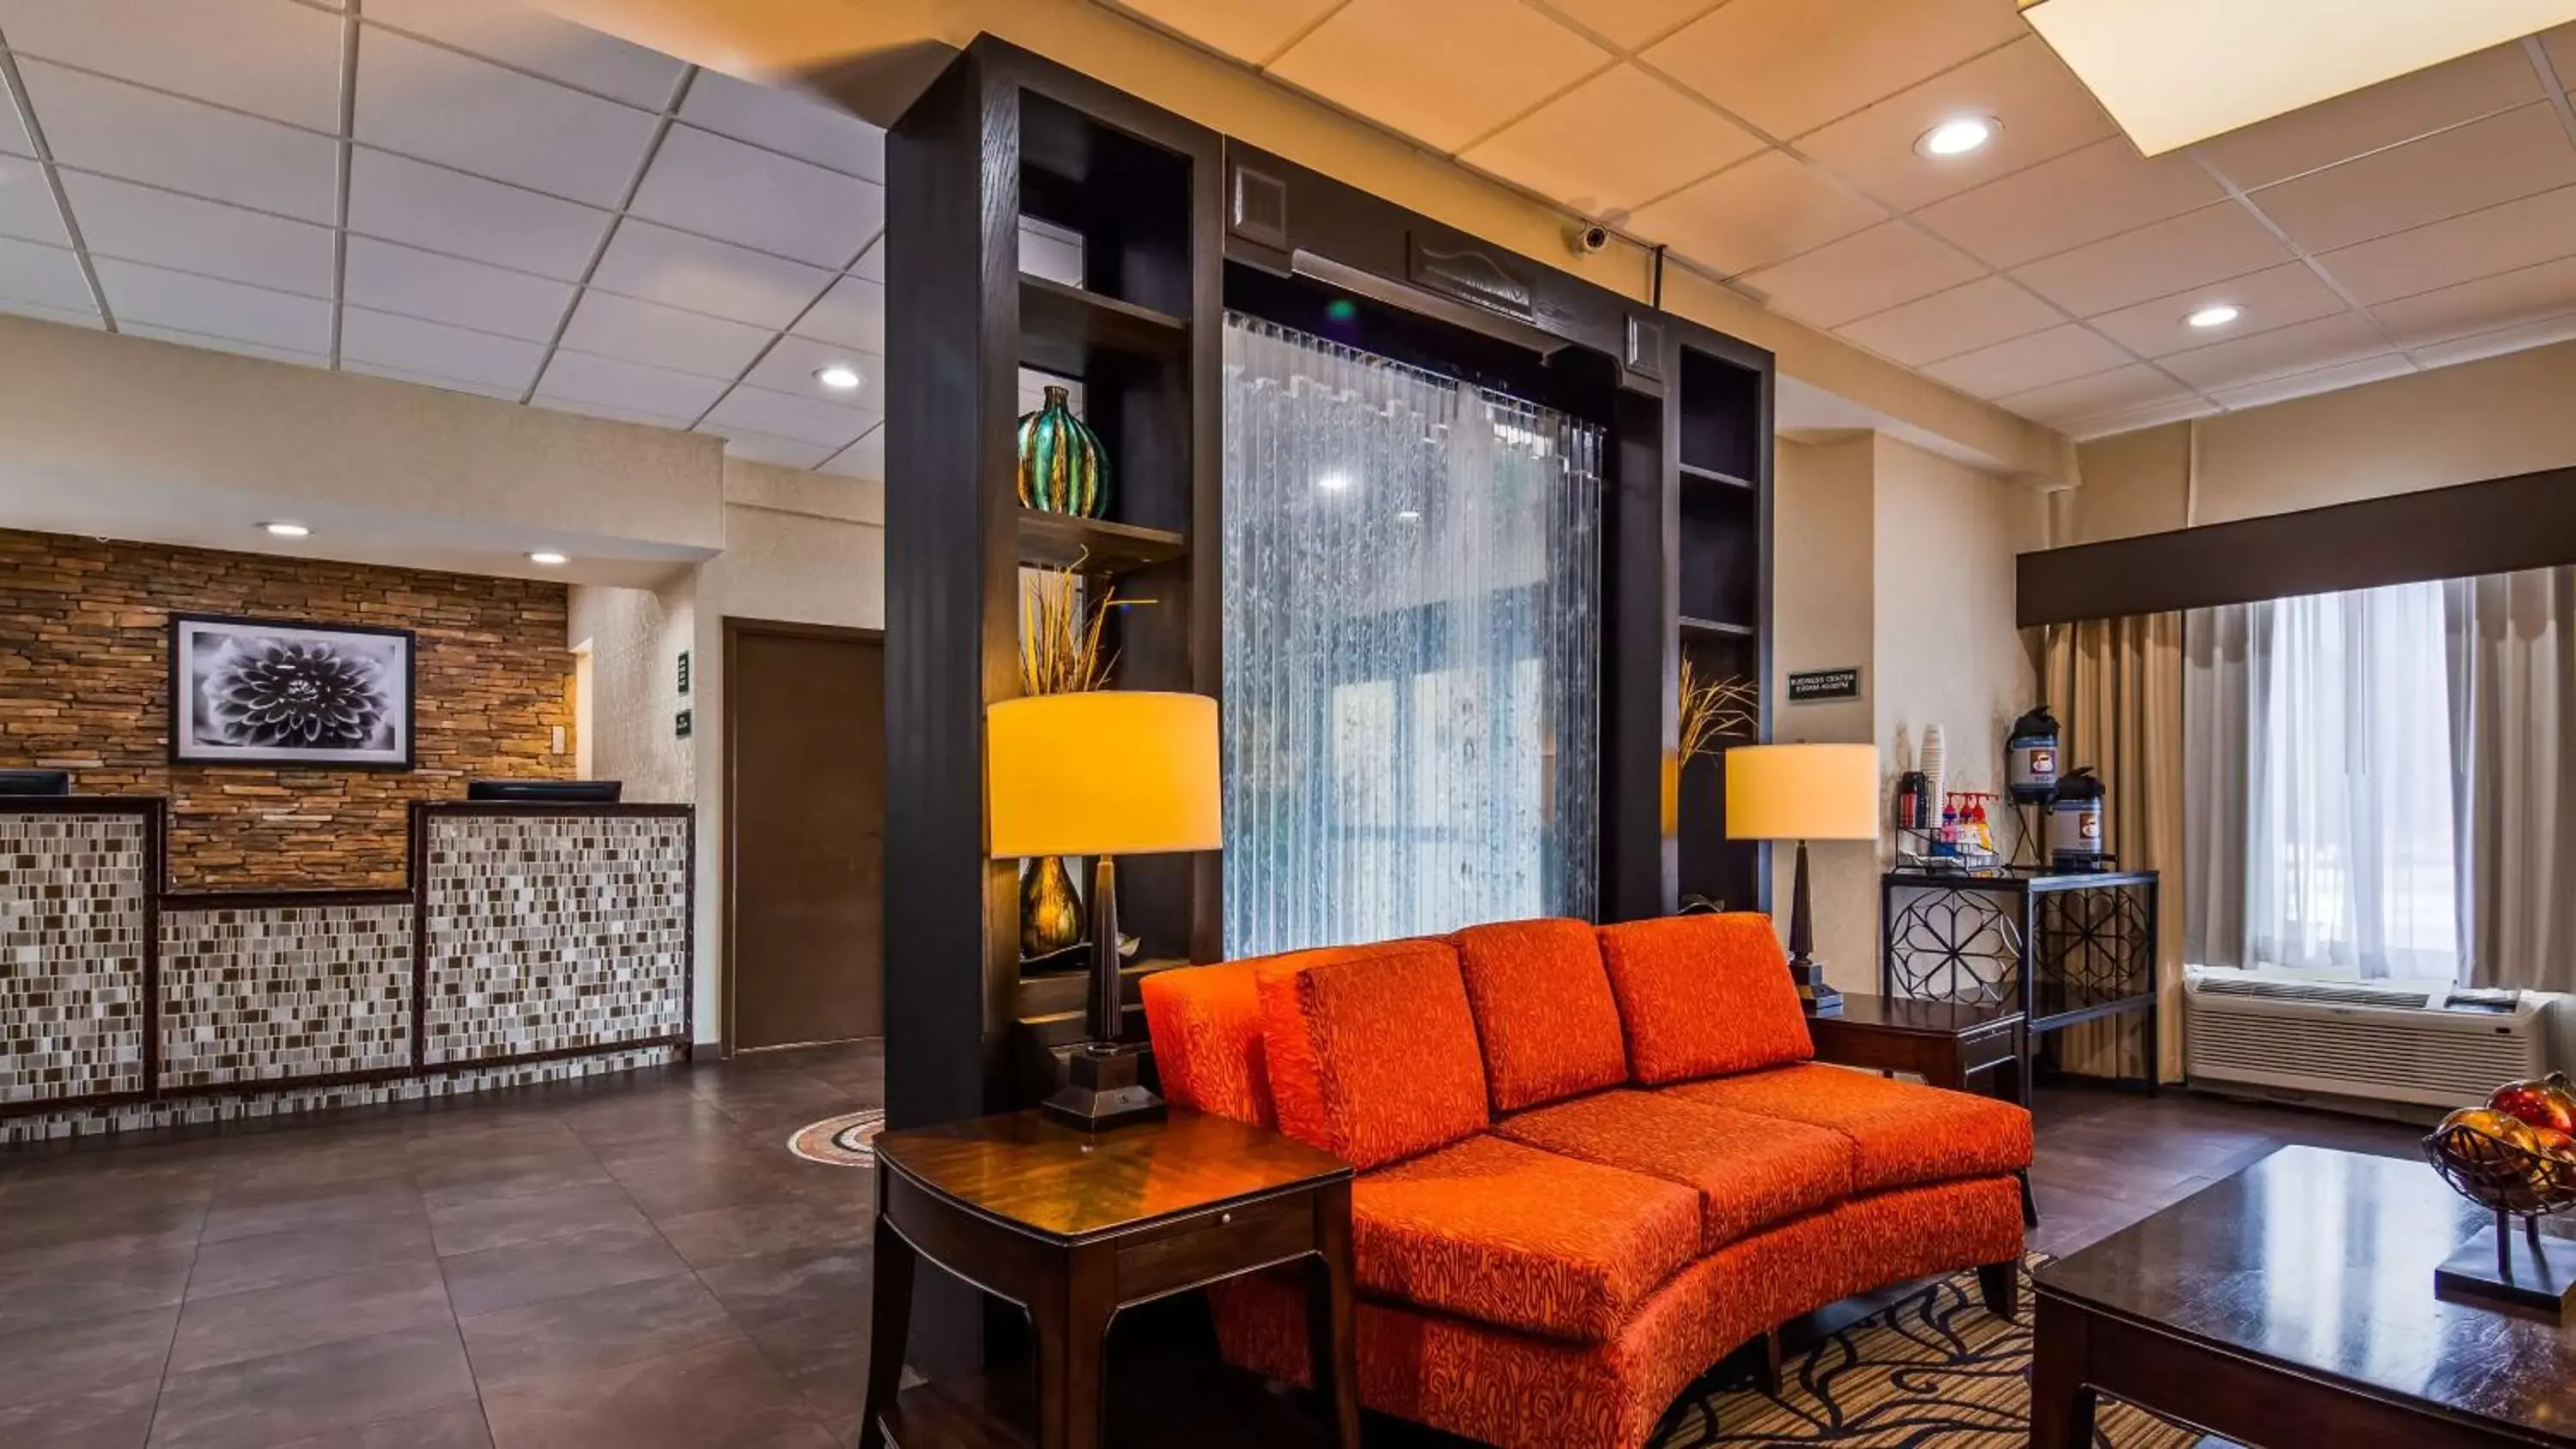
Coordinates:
[1109,772]
[1802,792]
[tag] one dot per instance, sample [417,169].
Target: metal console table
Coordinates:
[2065,946]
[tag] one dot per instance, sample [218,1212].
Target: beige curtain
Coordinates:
[2116,686]
[2513,744]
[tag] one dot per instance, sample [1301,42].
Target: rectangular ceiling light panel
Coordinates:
[2173,72]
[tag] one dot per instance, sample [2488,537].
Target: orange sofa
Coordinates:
[1593,1162]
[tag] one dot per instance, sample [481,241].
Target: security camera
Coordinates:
[1585,240]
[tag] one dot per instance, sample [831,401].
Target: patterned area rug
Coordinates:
[1934,1370]
[845,1141]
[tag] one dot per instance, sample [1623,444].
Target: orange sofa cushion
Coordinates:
[1703,996]
[1543,1010]
[1206,1025]
[1900,1132]
[1749,1171]
[1505,1234]
[1372,1051]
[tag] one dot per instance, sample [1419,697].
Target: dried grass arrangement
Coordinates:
[1713,710]
[1060,633]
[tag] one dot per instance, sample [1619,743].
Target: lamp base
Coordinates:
[1103,1088]
[1814,993]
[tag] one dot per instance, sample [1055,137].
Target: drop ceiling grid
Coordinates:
[826,158]
[1625,32]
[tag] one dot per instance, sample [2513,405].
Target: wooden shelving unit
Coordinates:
[1693,473]
[1721,399]
[1071,331]
[1715,629]
[1094,545]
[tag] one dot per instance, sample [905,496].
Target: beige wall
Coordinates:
[1823,617]
[2488,419]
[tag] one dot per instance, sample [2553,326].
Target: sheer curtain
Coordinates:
[1411,625]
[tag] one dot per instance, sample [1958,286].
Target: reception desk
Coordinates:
[533,942]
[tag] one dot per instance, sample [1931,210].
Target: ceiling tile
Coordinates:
[1761,211]
[2157,260]
[27,209]
[139,224]
[2045,112]
[2485,305]
[1619,139]
[162,298]
[633,331]
[438,350]
[269,57]
[2345,337]
[2493,344]
[852,314]
[43,313]
[2122,389]
[100,125]
[2153,415]
[636,391]
[42,276]
[240,347]
[2279,296]
[722,188]
[1629,24]
[760,447]
[13,136]
[440,106]
[782,415]
[862,459]
[871,263]
[2561,45]
[1443,71]
[1250,30]
[422,379]
[680,270]
[1789,66]
[467,216]
[2366,120]
[2308,384]
[1945,324]
[1889,264]
[2102,190]
[2498,239]
[789,367]
[2460,170]
[524,36]
[2056,355]
[416,283]
[611,411]
[807,128]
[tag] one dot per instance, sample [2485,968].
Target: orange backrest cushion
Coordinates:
[1704,996]
[1372,1050]
[1206,1025]
[1543,1011]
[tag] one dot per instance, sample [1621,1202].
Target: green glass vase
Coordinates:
[1062,469]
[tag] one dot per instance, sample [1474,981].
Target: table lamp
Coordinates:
[1104,773]
[1803,793]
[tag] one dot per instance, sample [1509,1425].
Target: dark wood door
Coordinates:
[804,833]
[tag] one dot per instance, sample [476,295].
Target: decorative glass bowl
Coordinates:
[2500,1176]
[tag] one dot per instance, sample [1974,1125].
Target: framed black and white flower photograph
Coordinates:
[261,692]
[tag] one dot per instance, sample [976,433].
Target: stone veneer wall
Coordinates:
[85,685]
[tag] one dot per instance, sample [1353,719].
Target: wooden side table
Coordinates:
[1073,1226]
[1943,1042]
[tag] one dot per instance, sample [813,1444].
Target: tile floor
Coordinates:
[632,1262]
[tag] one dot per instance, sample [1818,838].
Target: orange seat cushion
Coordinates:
[1750,1171]
[1505,1234]
[1703,996]
[1206,1025]
[1900,1133]
[1372,1051]
[1543,1010]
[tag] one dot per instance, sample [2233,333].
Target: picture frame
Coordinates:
[289,693]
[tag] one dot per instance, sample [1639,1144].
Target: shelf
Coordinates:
[1714,629]
[1095,545]
[1063,328]
[1711,475]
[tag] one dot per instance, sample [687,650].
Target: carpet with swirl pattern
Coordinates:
[1934,1370]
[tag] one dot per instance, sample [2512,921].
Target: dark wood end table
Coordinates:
[1943,1042]
[1074,1226]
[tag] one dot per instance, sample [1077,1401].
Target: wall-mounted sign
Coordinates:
[684,673]
[1812,686]
[682,724]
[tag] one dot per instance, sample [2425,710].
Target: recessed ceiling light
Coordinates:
[1958,136]
[284,529]
[547,557]
[1334,482]
[2216,314]
[838,376]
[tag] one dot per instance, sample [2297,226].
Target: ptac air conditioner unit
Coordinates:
[2424,1043]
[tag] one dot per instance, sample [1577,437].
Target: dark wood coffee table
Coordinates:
[2292,1304]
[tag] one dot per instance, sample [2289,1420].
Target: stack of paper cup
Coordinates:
[1928,760]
